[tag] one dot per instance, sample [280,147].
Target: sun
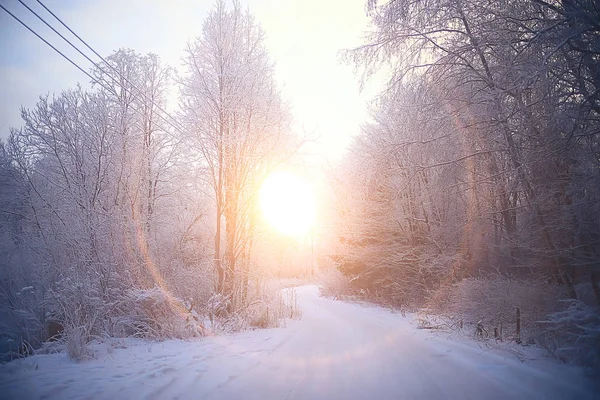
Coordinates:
[288,203]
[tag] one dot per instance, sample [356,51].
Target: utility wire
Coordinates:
[45,41]
[77,66]
[98,55]
[66,40]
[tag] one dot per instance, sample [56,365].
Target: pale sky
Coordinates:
[303,38]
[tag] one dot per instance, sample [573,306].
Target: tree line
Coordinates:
[116,214]
[482,155]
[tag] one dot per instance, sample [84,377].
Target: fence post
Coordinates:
[518,325]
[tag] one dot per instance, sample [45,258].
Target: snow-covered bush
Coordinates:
[334,283]
[273,308]
[21,329]
[290,307]
[491,302]
[77,339]
[260,315]
[568,329]
[78,306]
[192,281]
[267,306]
[156,314]
[573,334]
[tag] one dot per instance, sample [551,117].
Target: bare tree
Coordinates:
[232,106]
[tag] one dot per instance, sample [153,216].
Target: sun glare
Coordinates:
[288,203]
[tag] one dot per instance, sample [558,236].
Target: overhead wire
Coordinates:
[101,58]
[49,44]
[93,79]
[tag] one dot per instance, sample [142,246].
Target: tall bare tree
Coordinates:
[232,107]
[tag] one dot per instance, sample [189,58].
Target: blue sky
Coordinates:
[303,37]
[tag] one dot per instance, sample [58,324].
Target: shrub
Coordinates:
[156,314]
[77,340]
[267,306]
[273,309]
[334,284]
[489,303]
[573,334]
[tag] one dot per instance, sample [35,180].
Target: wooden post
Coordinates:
[518,325]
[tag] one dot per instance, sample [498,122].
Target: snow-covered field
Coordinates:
[337,351]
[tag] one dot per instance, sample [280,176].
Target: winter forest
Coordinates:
[130,205]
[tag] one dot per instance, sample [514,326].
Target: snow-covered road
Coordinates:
[337,350]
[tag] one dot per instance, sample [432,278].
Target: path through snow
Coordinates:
[337,351]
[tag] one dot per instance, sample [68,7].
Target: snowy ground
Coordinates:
[337,351]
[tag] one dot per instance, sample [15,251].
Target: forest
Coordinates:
[117,221]
[470,198]
[473,193]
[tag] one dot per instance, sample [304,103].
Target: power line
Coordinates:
[77,66]
[65,39]
[45,41]
[97,54]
